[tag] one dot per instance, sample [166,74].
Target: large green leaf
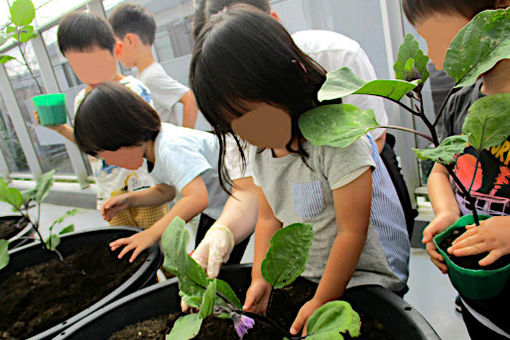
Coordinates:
[67,230]
[43,186]
[186,327]
[488,121]
[331,319]
[22,12]
[27,33]
[11,196]
[417,67]
[206,308]
[445,152]
[287,255]
[174,243]
[4,253]
[227,291]
[192,278]
[4,58]
[337,125]
[478,46]
[344,82]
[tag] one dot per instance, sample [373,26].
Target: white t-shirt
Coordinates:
[111,178]
[182,154]
[333,51]
[166,92]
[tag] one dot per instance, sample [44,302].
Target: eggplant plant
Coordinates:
[283,263]
[21,202]
[476,49]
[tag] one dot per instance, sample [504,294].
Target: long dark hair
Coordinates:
[243,55]
[112,116]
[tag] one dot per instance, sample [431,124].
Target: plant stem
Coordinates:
[26,62]
[443,105]
[465,193]
[269,301]
[404,106]
[426,121]
[408,130]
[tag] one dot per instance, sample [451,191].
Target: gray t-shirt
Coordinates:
[301,194]
[166,92]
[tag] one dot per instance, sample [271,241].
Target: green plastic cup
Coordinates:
[476,284]
[51,108]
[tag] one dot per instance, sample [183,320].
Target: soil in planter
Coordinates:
[46,294]
[9,228]
[285,306]
[470,262]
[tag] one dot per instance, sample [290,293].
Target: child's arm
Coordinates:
[267,225]
[445,208]
[189,110]
[493,236]
[352,213]
[64,129]
[194,200]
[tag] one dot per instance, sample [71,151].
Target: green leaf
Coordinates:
[67,230]
[337,125]
[61,219]
[344,82]
[478,47]
[410,49]
[206,308]
[488,121]
[52,242]
[11,196]
[174,243]
[29,194]
[43,185]
[4,253]
[5,58]
[27,33]
[445,152]
[192,301]
[287,255]
[227,291]
[331,319]
[186,327]
[192,278]
[22,12]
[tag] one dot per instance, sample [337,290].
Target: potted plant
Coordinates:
[50,107]
[61,279]
[219,308]
[475,50]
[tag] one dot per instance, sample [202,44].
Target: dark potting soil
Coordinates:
[9,228]
[470,262]
[46,294]
[285,306]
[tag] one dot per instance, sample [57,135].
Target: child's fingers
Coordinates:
[297,325]
[117,243]
[491,258]
[440,265]
[433,253]
[136,252]
[468,234]
[471,226]
[472,249]
[126,249]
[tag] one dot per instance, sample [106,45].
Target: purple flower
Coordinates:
[242,323]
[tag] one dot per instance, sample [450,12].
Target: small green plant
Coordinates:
[283,263]
[21,202]
[475,50]
[20,30]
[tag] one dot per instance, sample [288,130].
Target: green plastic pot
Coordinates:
[51,108]
[476,284]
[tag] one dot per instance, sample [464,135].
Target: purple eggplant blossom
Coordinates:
[242,323]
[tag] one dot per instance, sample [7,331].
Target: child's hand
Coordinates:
[257,296]
[114,205]
[139,242]
[493,236]
[439,224]
[305,312]
[52,127]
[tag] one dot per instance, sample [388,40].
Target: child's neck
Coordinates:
[498,79]
[282,152]
[145,58]
[149,152]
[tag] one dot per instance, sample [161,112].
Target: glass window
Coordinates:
[9,143]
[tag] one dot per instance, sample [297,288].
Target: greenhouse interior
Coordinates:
[168,169]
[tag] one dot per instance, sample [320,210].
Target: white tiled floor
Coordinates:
[430,291]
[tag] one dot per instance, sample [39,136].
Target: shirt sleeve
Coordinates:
[166,91]
[341,166]
[233,160]
[139,88]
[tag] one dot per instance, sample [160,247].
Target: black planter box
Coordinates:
[33,254]
[22,237]
[401,320]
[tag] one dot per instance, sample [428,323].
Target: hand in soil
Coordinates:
[493,236]
[114,205]
[439,224]
[138,243]
[257,297]
[301,321]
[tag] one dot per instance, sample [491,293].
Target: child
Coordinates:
[178,158]
[267,83]
[438,22]
[135,30]
[91,57]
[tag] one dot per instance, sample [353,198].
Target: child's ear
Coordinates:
[117,50]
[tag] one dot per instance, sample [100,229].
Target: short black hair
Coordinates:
[82,31]
[133,18]
[418,10]
[112,116]
[206,8]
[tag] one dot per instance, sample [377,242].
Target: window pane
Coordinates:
[9,143]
